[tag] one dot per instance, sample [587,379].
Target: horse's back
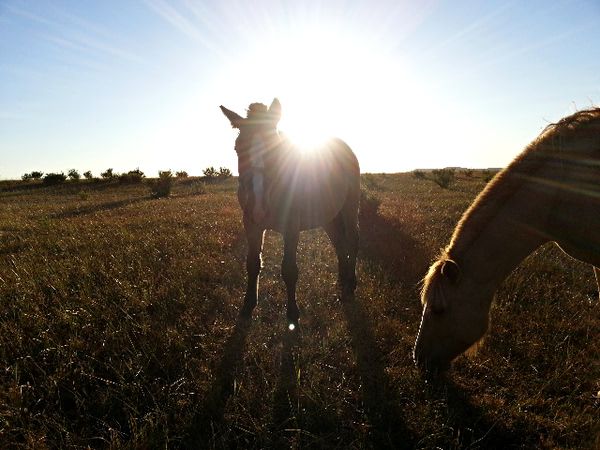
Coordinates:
[312,187]
[575,215]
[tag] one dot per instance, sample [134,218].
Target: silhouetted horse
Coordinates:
[284,189]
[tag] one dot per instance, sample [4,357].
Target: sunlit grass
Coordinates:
[119,328]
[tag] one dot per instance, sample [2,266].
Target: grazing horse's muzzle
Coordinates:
[427,361]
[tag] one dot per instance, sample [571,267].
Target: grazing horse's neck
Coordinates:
[488,253]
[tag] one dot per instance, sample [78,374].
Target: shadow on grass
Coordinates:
[209,418]
[468,423]
[97,208]
[381,400]
[386,244]
[285,419]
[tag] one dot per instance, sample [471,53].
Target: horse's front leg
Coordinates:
[289,272]
[254,236]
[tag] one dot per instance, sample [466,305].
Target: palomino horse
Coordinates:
[551,192]
[283,189]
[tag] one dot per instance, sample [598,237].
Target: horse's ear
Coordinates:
[451,271]
[275,110]
[235,119]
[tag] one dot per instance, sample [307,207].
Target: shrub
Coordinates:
[468,173]
[107,174]
[35,175]
[418,174]
[74,175]
[88,175]
[54,178]
[132,177]
[224,173]
[181,174]
[210,173]
[162,186]
[488,175]
[443,177]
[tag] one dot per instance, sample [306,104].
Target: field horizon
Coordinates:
[119,328]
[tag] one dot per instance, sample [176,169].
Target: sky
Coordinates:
[122,84]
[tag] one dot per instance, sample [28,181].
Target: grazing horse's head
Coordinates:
[258,137]
[455,316]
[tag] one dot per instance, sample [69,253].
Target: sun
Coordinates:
[333,81]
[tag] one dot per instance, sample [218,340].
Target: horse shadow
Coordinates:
[472,427]
[382,403]
[210,415]
[98,208]
[286,391]
[385,244]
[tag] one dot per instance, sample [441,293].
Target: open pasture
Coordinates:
[119,329]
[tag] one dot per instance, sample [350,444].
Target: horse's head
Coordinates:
[254,144]
[455,316]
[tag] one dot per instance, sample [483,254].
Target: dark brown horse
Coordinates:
[283,189]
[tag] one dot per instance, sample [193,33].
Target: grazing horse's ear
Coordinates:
[275,110]
[235,119]
[451,271]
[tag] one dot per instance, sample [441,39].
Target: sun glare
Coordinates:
[334,82]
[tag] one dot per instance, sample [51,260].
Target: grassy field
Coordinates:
[119,329]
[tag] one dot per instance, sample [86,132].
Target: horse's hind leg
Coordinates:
[289,272]
[597,273]
[352,238]
[255,236]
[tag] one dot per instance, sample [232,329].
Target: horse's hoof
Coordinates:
[293,318]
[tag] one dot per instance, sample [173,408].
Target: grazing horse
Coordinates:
[549,193]
[286,190]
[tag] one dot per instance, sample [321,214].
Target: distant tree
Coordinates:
[74,175]
[108,173]
[443,177]
[133,176]
[35,175]
[224,173]
[468,173]
[54,178]
[418,174]
[181,174]
[210,173]
[162,186]
[88,175]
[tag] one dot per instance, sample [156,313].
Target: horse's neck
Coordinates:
[279,158]
[490,252]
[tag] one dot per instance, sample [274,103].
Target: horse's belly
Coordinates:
[308,205]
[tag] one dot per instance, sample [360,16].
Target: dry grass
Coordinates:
[118,329]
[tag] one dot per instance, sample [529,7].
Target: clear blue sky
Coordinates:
[95,84]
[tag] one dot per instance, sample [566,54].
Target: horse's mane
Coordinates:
[549,145]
